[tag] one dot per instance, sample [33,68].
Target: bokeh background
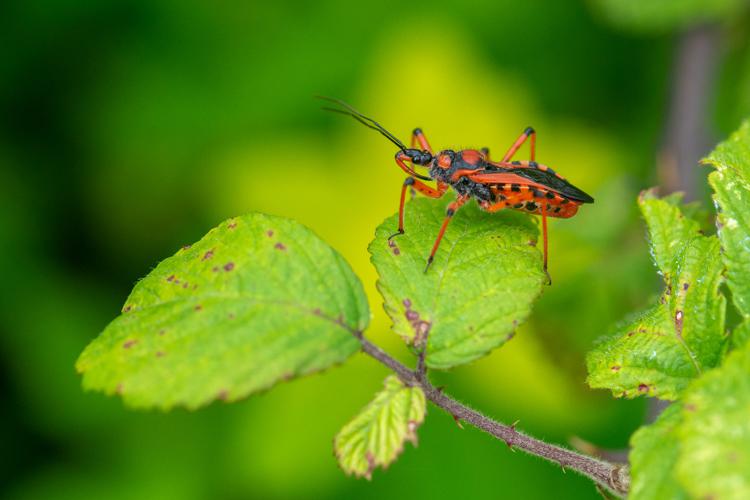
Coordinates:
[129,128]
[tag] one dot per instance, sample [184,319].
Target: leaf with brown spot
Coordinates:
[484,275]
[269,317]
[682,335]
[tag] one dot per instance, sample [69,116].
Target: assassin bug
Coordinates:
[526,186]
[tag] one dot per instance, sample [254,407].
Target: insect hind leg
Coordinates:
[515,200]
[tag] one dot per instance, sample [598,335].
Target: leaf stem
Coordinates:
[614,477]
[421,370]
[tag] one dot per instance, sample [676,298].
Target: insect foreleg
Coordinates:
[411,182]
[418,137]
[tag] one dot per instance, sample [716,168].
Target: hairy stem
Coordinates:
[614,477]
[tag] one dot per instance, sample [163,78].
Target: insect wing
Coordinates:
[534,178]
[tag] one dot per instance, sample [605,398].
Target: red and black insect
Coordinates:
[526,186]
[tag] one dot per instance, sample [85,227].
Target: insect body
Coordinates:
[526,186]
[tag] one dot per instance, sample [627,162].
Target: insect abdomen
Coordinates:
[532,200]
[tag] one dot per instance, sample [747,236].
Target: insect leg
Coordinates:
[515,200]
[449,213]
[411,182]
[494,207]
[544,234]
[418,137]
[529,132]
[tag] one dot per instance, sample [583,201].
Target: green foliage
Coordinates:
[731,185]
[185,139]
[479,288]
[700,446]
[655,450]
[376,436]
[662,350]
[645,15]
[258,300]
[261,299]
[715,432]
[741,334]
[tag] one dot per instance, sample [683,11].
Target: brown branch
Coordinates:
[687,138]
[614,477]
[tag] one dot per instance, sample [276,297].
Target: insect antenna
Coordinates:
[364,120]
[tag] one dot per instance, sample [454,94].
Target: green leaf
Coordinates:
[662,350]
[715,434]
[660,15]
[376,436]
[741,335]
[257,300]
[699,447]
[480,287]
[654,452]
[731,185]
[668,228]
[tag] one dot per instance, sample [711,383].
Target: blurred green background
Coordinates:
[128,129]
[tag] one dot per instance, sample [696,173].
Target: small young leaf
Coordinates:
[259,299]
[662,350]
[481,285]
[376,436]
[654,452]
[715,434]
[731,185]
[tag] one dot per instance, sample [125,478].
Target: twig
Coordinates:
[614,477]
[421,371]
[421,366]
